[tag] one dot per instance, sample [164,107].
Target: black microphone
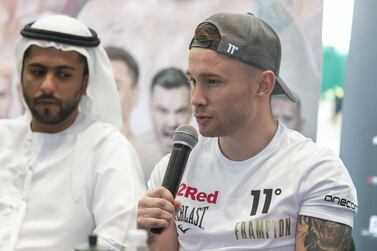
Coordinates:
[185,138]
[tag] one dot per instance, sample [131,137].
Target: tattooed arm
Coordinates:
[314,234]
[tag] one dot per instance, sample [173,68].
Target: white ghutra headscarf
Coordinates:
[65,33]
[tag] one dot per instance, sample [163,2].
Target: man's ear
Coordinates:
[266,83]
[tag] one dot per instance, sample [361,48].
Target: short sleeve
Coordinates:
[327,190]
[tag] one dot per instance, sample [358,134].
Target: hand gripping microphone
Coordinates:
[185,138]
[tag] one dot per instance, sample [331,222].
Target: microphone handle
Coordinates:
[174,172]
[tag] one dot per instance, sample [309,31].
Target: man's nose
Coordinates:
[198,97]
[48,84]
[171,120]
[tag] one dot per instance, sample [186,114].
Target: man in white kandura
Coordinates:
[66,170]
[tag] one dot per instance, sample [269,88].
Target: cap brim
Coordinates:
[282,88]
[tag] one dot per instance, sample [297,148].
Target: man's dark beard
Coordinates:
[45,117]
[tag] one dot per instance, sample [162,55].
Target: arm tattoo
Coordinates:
[318,234]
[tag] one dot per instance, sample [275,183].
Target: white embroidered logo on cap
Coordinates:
[231,48]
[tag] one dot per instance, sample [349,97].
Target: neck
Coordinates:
[249,141]
[37,126]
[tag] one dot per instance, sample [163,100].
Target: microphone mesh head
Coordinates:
[187,135]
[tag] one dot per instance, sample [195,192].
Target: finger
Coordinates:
[154,217]
[161,192]
[156,213]
[148,223]
[158,203]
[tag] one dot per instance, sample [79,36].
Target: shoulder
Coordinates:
[19,123]
[316,162]
[320,175]
[306,152]
[104,141]
[111,151]
[13,130]
[299,142]
[101,133]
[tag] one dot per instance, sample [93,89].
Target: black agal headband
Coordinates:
[60,37]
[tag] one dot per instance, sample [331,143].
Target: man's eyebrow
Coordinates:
[204,74]
[68,67]
[208,75]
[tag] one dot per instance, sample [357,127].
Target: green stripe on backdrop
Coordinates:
[334,65]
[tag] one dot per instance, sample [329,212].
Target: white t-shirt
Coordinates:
[58,188]
[254,204]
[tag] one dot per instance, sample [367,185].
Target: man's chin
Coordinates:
[48,120]
[47,117]
[206,132]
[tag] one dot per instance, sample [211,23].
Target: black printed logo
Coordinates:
[340,201]
[267,199]
[180,226]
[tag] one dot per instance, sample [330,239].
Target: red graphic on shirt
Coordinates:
[194,194]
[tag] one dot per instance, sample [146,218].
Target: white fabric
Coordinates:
[217,194]
[51,199]
[102,100]
[64,24]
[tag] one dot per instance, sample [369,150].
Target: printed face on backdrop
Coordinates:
[170,107]
[222,93]
[52,84]
[126,87]
[287,112]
